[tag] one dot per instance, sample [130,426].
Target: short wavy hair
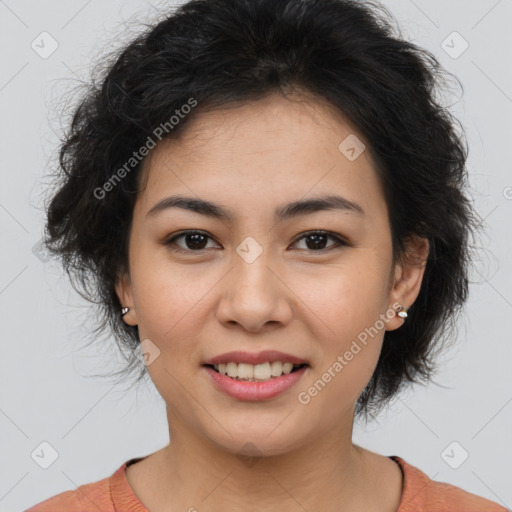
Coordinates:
[227,52]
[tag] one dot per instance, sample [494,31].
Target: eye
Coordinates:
[196,241]
[316,241]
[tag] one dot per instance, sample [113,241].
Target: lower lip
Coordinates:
[245,390]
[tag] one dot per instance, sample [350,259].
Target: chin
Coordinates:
[258,443]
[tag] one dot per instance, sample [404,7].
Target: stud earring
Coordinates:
[124,311]
[402,313]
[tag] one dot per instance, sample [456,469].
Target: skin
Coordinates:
[294,298]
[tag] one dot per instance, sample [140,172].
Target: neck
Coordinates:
[196,474]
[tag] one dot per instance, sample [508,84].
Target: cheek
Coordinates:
[348,297]
[345,316]
[167,296]
[346,365]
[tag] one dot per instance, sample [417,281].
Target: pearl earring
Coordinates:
[124,311]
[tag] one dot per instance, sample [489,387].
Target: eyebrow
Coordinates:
[287,211]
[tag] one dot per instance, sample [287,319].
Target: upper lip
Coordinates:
[255,358]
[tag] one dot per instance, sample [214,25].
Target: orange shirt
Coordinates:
[420,494]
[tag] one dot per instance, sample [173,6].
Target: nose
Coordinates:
[254,296]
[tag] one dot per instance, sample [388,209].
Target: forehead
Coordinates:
[262,152]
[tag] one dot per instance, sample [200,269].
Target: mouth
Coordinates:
[255,373]
[263,381]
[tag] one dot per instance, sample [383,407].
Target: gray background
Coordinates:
[95,425]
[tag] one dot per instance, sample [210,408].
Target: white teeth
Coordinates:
[263,371]
[245,371]
[276,368]
[287,368]
[232,369]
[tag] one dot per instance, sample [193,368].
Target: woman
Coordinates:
[265,196]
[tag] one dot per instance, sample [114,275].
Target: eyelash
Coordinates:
[170,243]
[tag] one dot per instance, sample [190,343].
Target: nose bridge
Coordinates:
[251,273]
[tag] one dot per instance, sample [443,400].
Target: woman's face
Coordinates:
[254,281]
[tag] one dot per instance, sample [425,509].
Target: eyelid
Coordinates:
[319,232]
[340,241]
[168,241]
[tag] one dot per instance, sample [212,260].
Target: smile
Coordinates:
[256,372]
[244,387]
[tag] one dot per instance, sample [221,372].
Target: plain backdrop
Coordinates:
[88,427]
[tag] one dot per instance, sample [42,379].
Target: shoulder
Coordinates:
[422,494]
[91,496]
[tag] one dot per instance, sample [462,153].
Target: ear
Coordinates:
[408,276]
[124,293]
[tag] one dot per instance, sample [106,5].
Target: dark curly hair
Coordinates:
[223,53]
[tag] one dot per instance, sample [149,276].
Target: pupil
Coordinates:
[315,239]
[196,240]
